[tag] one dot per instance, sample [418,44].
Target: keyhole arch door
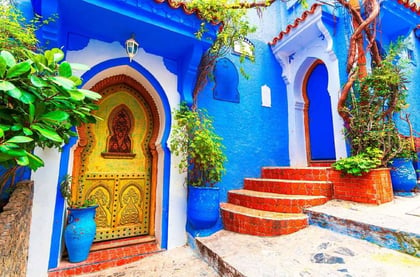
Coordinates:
[319,131]
[115,160]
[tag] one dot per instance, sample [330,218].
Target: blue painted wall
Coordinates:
[413,96]
[254,136]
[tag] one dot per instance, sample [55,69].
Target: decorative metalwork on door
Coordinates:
[115,164]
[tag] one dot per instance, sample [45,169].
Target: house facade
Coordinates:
[265,120]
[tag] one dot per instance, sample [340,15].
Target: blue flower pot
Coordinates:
[417,166]
[202,207]
[80,233]
[403,175]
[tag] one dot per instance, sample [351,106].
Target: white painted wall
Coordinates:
[45,190]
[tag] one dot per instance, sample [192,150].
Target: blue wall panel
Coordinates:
[254,135]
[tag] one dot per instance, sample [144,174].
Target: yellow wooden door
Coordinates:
[113,164]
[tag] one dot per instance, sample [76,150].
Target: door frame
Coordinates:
[100,87]
[306,115]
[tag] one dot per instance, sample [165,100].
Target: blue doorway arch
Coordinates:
[318,115]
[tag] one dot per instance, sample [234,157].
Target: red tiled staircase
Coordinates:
[273,204]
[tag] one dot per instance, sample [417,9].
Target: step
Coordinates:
[249,221]
[294,187]
[394,225]
[104,258]
[295,173]
[274,202]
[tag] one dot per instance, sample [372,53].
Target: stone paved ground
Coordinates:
[178,262]
[313,251]
[310,252]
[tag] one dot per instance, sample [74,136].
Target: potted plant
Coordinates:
[368,110]
[369,184]
[81,227]
[403,174]
[202,158]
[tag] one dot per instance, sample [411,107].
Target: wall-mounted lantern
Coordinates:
[131,46]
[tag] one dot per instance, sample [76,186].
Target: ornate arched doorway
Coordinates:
[115,160]
[319,130]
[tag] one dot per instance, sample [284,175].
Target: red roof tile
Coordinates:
[412,6]
[295,24]
[178,5]
[406,3]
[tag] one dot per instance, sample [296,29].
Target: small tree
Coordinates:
[371,107]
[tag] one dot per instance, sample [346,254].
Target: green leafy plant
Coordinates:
[39,105]
[65,189]
[200,148]
[231,18]
[233,25]
[360,163]
[40,101]
[372,105]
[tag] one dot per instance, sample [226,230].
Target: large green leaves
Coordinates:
[38,82]
[65,69]
[18,69]
[55,116]
[20,139]
[90,94]
[5,85]
[3,66]
[48,133]
[8,58]
[41,102]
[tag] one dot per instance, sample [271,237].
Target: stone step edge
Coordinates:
[92,267]
[288,181]
[222,267]
[399,240]
[273,195]
[228,207]
[102,259]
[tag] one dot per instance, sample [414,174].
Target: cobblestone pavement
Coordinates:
[178,262]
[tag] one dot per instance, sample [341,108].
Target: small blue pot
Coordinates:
[202,206]
[403,175]
[80,233]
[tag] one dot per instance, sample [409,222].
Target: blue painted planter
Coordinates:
[80,232]
[417,166]
[403,175]
[202,206]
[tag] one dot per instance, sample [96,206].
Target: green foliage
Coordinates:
[372,105]
[65,189]
[360,163]
[39,104]
[16,33]
[200,148]
[231,16]
[39,96]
